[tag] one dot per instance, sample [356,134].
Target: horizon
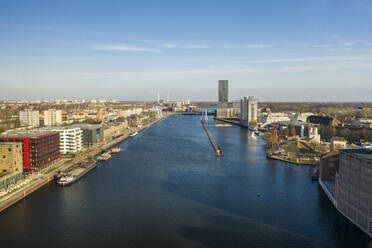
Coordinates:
[277,51]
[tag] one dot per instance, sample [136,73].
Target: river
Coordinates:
[168,189]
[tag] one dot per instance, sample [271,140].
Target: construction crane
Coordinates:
[275,137]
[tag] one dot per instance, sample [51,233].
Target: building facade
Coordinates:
[248,110]
[92,133]
[350,170]
[71,139]
[224,107]
[11,163]
[39,148]
[354,187]
[29,118]
[52,117]
[223,91]
[269,118]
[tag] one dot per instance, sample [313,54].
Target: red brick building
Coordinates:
[39,148]
[354,187]
[329,166]
[346,178]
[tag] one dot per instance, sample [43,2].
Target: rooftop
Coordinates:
[25,134]
[362,153]
[87,126]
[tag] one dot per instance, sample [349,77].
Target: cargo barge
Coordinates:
[76,173]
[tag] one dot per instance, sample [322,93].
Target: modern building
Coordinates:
[71,139]
[40,148]
[248,110]
[223,91]
[346,178]
[29,117]
[92,133]
[269,118]
[11,163]
[224,107]
[52,117]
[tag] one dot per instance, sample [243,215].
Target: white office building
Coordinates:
[29,117]
[248,110]
[269,118]
[52,117]
[71,139]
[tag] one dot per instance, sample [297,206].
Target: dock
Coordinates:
[218,150]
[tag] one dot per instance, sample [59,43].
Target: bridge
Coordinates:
[199,112]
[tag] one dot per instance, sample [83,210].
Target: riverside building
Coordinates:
[346,178]
[71,139]
[224,107]
[92,133]
[40,148]
[248,110]
[10,163]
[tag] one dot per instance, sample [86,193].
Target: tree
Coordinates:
[253,123]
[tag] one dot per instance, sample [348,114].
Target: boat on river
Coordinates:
[76,173]
[132,135]
[115,150]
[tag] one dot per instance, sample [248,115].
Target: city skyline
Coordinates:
[318,51]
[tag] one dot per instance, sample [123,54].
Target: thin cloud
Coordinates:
[183,46]
[126,48]
[169,45]
[307,59]
[198,46]
[226,71]
[253,46]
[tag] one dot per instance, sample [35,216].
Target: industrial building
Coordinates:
[248,110]
[39,148]
[92,133]
[323,120]
[346,178]
[71,139]
[29,117]
[52,117]
[11,163]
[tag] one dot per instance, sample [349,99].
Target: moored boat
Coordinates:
[116,150]
[133,134]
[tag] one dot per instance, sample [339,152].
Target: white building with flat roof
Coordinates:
[269,118]
[248,110]
[71,139]
[29,117]
[52,117]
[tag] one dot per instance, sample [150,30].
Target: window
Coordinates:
[4,170]
[9,149]
[3,156]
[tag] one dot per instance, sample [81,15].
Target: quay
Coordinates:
[217,150]
[47,176]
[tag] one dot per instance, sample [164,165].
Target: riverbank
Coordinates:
[293,160]
[47,175]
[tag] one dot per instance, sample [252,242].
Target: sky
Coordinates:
[300,50]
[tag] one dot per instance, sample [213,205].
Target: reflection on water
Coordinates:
[168,189]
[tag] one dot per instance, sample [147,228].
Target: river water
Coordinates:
[168,189]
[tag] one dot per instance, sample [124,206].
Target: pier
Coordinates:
[218,150]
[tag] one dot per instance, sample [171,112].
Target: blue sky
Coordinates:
[301,50]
